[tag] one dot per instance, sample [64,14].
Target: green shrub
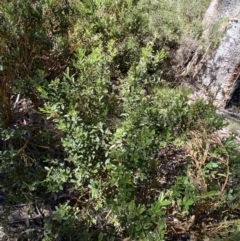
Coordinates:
[102,113]
[110,138]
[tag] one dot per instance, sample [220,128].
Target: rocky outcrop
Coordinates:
[218,69]
[222,69]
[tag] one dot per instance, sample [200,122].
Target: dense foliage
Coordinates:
[92,132]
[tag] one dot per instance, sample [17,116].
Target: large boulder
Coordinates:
[217,70]
[223,68]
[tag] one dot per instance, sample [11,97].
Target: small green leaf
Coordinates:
[165,203]
[100,236]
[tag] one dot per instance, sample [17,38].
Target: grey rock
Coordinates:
[219,68]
